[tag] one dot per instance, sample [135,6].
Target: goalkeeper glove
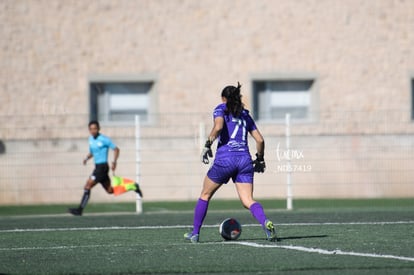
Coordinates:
[206,152]
[259,164]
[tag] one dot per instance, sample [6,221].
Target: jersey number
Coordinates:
[242,123]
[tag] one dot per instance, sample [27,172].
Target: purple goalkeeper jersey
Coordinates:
[233,136]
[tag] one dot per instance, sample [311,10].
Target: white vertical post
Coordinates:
[289,204]
[201,142]
[201,134]
[138,161]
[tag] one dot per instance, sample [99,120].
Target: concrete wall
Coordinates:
[357,166]
[359,53]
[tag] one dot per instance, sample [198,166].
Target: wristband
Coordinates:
[208,144]
[259,157]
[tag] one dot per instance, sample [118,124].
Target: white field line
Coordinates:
[58,247]
[17,230]
[323,251]
[250,244]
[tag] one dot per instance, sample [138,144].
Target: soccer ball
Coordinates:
[230,229]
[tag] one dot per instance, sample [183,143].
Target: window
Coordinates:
[120,101]
[412,99]
[272,99]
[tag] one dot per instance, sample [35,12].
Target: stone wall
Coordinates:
[359,52]
[342,166]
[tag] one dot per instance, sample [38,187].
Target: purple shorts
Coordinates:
[238,167]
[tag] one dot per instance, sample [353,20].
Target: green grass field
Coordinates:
[318,237]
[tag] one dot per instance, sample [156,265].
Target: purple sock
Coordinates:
[200,212]
[258,213]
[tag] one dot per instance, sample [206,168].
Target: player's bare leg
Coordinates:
[209,189]
[245,191]
[200,210]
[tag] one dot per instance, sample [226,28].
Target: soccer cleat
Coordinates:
[75,211]
[270,231]
[191,237]
[138,190]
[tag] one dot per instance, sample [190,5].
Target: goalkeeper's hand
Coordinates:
[259,164]
[206,152]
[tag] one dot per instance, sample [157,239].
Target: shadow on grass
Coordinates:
[288,238]
[278,239]
[301,237]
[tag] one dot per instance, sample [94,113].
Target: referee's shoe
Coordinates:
[138,190]
[75,211]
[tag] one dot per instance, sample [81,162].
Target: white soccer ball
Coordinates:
[230,229]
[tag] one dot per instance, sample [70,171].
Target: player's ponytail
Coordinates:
[233,97]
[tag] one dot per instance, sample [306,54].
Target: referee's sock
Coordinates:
[85,198]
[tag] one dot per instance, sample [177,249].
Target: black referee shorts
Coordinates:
[100,174]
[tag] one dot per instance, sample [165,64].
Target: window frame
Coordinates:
[313,108]
[109,79]
[411,89]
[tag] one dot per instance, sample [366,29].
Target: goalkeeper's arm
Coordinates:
[206,152]
[259,163]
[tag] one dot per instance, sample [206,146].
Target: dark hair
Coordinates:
[92,122]
[234,104]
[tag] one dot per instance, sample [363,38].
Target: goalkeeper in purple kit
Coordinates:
[232,123]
